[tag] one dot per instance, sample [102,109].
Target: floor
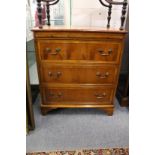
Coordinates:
[69,129]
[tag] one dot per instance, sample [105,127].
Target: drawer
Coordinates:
[76,73]
[80,34]
[68,50]
[79,95]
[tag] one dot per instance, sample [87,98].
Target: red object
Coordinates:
[43,16]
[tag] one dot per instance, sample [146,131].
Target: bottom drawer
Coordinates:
[78,95]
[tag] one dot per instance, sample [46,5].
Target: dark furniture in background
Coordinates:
[123,84]
[123,90]
[29,108]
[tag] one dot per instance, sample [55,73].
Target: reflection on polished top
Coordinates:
[73,28]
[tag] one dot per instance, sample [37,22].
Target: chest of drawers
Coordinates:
[78,68]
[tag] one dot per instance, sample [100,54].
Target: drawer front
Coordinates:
[67,50]
[77,94]
[80,35]
[76,73]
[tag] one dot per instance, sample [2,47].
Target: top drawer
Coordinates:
[79,50]
[89,34]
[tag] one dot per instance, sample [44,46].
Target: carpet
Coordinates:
[70,129]
[113,151]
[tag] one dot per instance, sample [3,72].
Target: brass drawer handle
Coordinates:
[48,50]
[54,75]
[100,96]
[102,52]
[57,50]
[102,76]
[58,95]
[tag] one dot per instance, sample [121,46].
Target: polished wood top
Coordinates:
[78,29]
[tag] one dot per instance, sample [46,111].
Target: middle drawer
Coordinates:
[78,73]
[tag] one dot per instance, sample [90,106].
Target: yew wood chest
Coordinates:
[78,68]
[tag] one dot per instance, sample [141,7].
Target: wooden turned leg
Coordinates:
[109,111]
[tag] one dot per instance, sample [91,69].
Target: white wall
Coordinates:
[29,25]
[91,13]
